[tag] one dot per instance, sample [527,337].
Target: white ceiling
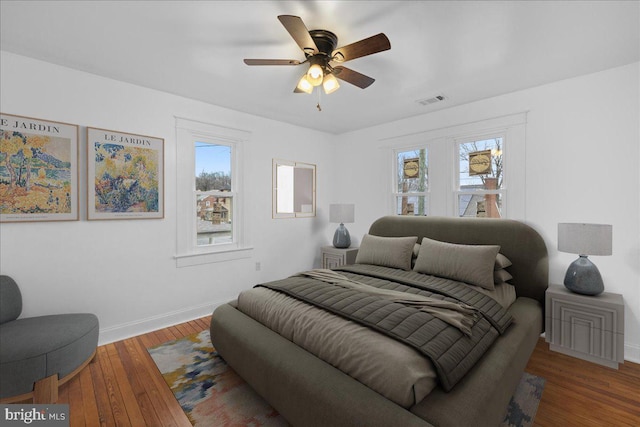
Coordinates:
[464,50]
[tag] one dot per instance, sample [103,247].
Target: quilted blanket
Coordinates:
[452,352]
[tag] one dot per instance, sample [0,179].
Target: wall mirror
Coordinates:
[294,189]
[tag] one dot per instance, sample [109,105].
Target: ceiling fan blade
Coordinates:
[299,32]
[364,47]
[271,62]
[353,77]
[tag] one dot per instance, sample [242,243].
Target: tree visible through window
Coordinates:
[480,190]
[412,180]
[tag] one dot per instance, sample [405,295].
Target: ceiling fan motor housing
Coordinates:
[326,42]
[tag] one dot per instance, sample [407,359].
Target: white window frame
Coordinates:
[396,193]
[188,132]
[456,184]
[444,163]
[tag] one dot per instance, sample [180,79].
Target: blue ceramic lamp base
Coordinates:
[341,238]
[583,277]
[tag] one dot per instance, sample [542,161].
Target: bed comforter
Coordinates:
[451,352]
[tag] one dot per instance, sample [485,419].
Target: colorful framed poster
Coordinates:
[38,170]
[125,175]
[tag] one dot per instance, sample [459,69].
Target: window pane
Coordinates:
[480,205]
[213,167]
[412,171]
[214,215]
[481,166]
[411,205]
[285,190]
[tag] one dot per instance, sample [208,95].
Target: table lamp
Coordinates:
[582,276]
[342,213]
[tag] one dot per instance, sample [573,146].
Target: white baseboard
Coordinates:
[149,324]
[632,352]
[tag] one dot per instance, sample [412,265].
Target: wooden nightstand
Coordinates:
[587,327]
[335,257]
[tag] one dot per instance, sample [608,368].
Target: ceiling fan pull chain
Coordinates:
[318,106]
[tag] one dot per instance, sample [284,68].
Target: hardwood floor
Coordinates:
[123,387]
[580,393]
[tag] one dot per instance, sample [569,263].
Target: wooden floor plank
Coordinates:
[171,410]
[139,382]
[123,386]
[175,332]
[162,336]
[156,393]
[76,401]
[105,415]
[184,329]
[114,397]
[89,406]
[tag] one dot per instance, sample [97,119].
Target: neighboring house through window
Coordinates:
[210,197]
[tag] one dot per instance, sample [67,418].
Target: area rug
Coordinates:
[212,394]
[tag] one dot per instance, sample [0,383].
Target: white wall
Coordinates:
[124,271]
[581,159]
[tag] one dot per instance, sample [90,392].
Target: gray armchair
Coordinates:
[38,354]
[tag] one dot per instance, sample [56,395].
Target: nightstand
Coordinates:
[587,327]
[335,257]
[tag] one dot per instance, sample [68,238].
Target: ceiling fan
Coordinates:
[319,47]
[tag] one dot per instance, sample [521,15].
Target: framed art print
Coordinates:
[38,170]
[125,175]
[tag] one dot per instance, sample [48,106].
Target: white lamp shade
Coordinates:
[304,85]
[330,84]
[315,74]
[585,239]
[344,213]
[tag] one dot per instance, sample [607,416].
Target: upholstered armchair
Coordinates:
[38,354]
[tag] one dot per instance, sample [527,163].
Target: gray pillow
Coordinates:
[502,262]
[471,264]
[501,275]
[386,251]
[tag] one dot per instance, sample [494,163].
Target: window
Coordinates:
[411,182]
[214,193]
[460,170]
[294,189]
[480,183]
[210,198]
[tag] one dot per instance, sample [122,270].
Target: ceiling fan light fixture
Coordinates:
[330,84]
[315,75]
[304,85]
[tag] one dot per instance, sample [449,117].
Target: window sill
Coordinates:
[223,255]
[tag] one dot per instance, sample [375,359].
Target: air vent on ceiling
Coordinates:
[432,100]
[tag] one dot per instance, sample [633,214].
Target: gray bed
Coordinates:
[308,391]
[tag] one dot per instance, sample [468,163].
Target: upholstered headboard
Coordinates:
[518,242]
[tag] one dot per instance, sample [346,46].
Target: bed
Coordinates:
[311,388]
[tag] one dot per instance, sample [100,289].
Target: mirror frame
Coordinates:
[295,165]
